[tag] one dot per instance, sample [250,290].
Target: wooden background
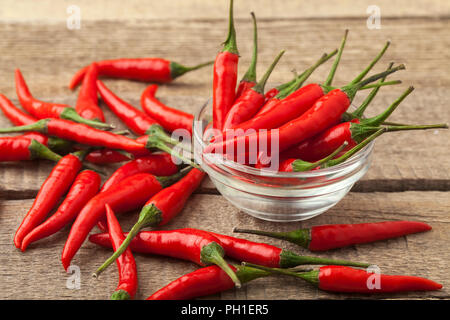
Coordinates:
[409,177]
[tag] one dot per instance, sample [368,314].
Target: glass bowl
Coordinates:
[277,196]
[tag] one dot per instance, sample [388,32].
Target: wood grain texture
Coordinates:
[42,276]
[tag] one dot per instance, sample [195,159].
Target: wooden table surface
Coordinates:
[409,177]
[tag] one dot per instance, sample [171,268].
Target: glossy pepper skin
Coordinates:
[84,188]
[345,279]
[126,264]
[134,119]
[250,101]
[188,244]
[105,156]
[54,187]
[225,76]
[45,110]
[169,118]
[82,134]
[139,69]
[130,194]
[332,236]
[204,282]
[87,102]
[19,148]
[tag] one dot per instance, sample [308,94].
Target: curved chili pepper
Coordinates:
[87,102]
[188,244]
[20,118]
[326,237]
[25,147]
[204,282]
[85,187]
[225,76]
[250,100]
[324,113]
[346,279]
[126,264]
[140,69]
[44,110]
[236,248]
[53,188]
[169,118]
[80,133]
[248,81]
[129,194]
[162,207]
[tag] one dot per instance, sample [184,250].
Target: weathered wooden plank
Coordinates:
[181,9]
[38,274]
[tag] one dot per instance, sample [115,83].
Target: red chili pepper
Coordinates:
[236,248]
[53,188]
[248,81]
[80,133]
[346,279]
[85,187]
[250,100]
[204,282]
[44,110]
[325,112]
[169,118]
[105,156]
[25,147]
[140,69]
[162,207]
[126,264]
[225,76]
[129,194]
[187,244]
[326,237]
[87,103]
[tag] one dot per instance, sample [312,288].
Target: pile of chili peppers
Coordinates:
[315,130]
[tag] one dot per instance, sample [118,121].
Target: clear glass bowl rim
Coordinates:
[226,164]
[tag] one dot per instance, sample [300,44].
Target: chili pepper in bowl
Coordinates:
[139,69]
[332,236]
[324,113]
[51,191]
[84,188]
[225,76]
[127,195]
[43,110]
[80,133]
[161,208]
[169,118]
[250,100]
[249,79]
[126,264]
[87,102]
[205,281]
[188,244]
[346,279]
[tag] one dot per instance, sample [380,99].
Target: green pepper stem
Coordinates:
[120,295]
[213,253]
[310,276]
[177,69]
[230,44]
[300,165]
[330,77]
[381,84]
[38,126]
[298,81]
[259,87]
[300,237]
[72,115]
[370,66]
[416,127]
[250,75]
[377,120]
[39,151]
[362,108]
[355,149]
[289,259]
